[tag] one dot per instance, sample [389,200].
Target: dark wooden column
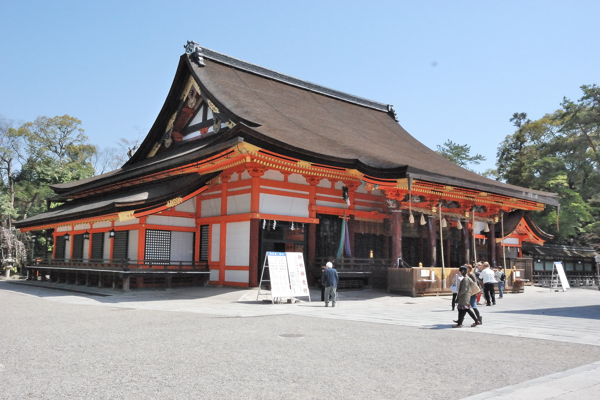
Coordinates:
[466,242]
[312,244]
[492,245]
[432,240]
[396,238]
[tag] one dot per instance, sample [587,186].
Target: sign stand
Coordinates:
[287,276]
[561,277]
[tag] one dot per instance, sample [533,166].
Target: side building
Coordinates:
[242,160]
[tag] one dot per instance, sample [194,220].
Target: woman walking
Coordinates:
[464,296]
[455,285]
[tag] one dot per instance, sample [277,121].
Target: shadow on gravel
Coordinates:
[439,326]
[587,312]
[110,296]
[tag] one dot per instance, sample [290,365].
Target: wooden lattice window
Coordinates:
[120,245]
[158,246]
[97,246]
[204,242]
[77,247]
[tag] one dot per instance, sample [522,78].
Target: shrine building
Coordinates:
[242,160]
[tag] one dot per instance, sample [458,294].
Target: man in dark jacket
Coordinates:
[330,281]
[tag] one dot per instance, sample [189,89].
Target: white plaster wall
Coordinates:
[331,204]
[103,224]
[283,205]
[366,208]
[511,241]
[236,276]
[81,227]
[182,246]
[238,204]
[68,249]
[339,185]
[171,221]
[285,190]
[132,245]
[273,175]
[134,221]
[210,208]
[361,189]
[215,242]
[214,275]
[325,183]
[245,175]
[63,229]
[187,206]
[238,243]
[297,178]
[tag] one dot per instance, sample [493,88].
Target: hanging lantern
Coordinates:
[459,225]
[467,214]
[423,219]
[86,235]
[67,237]
[292,228]
[496,219]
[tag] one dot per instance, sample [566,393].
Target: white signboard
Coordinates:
[561,275]
[278,272]
[295,263]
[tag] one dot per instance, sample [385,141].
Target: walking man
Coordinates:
[489,280]
[330,281]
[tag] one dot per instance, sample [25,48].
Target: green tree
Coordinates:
[559,153]
[56,150]
[459,154]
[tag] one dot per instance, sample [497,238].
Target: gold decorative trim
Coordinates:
[173,202]
[230,124]
[154,150]
[171,122]
[212,106]
[126,216]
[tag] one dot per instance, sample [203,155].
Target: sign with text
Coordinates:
[297,272]
[278,273]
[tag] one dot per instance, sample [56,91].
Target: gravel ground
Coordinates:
[52,350]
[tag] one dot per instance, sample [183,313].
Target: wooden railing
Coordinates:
[356,264]
[123,265]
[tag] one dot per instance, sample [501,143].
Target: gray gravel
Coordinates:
[52,350]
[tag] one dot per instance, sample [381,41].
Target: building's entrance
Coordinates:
[283,238]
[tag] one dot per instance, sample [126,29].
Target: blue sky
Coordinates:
[452,69]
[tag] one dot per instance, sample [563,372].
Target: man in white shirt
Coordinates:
[489,280]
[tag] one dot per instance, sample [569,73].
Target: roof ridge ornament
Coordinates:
[392,112]
[193,49]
